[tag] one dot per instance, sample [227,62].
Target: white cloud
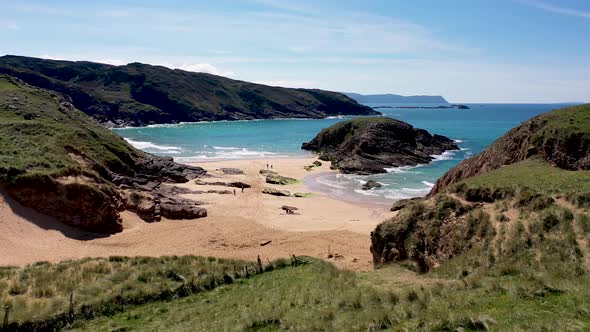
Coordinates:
[200,68]
[156,61]
[13,26]
[557,9]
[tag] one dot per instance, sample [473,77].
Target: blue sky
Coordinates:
[465,50]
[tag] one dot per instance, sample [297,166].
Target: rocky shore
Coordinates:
[65,165]
[370,145]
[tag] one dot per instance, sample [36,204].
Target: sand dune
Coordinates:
[235,227]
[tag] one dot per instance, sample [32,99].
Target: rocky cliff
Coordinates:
[138,94]
[369,145]
[59,161]
[521,205]
[561,137]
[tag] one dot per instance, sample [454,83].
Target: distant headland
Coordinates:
[393,98]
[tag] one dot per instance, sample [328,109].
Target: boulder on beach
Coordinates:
[279,179]
[275,192]
[231,171]
[371,184]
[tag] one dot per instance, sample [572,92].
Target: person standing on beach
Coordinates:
[234,192]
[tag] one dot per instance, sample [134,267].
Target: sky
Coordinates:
[502,51]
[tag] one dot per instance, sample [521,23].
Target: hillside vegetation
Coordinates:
[560,137]
[506,250]
[59,161]
[531,212]
[138,94]
[206,294]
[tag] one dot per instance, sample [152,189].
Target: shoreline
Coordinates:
[235,227]
[158,125]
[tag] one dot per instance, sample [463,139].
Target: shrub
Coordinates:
[583,221]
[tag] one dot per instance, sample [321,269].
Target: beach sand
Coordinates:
[235,227]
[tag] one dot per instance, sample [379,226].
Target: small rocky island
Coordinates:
[370,145]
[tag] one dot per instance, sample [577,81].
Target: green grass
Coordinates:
[36,132]
[535,174]
[40,290]
[319,297]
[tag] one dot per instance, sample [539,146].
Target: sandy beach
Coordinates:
[235,228]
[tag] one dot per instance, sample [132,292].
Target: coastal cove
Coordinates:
[473,129]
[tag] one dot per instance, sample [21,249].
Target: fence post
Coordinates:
[259,261]
[6,313]
[71,309]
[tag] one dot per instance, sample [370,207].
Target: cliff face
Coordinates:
[369,145]
[522,202]
[137,94]
[560,137]
[60,162]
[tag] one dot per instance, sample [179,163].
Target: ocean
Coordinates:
[473,129]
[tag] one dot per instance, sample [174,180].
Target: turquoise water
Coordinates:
[473,129]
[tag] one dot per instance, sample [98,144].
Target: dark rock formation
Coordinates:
[561,137]
[234,184]
[138,94]
[369,145]
[231,171]
[371,184]
[279,179]
[276,192]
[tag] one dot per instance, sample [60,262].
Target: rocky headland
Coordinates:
[372,144]
[561,137]
[139,94]
[521,204]
[60,162]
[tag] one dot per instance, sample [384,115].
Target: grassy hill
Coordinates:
[59,161]
[206,294]
[522,204]
[139,94]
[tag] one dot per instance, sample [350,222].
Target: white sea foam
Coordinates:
[429,184]
[226,154]
[399,170]
[447,155]
[404,193]
[365,192]
[224,147]
[326,182]
[149,145]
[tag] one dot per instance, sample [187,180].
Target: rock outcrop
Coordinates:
[370,145]
[371,184]
[276,192]
[60,162]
